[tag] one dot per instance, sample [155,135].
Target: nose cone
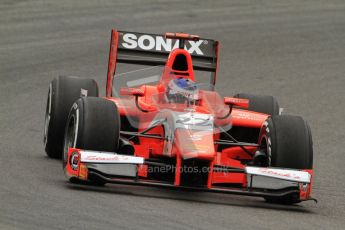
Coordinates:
[195,144]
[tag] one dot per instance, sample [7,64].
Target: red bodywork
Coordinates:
[186,147]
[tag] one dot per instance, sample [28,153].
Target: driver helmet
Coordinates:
[182,90]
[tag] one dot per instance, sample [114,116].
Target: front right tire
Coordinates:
[287,142]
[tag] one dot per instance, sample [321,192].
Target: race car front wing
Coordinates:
[123,169]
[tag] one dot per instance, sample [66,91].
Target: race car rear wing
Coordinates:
[154,49]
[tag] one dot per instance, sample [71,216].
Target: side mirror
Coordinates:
[233,101]
[136,93]
[132,92]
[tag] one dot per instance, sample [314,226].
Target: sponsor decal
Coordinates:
[279,173]
[284,174]
[75,106]
[194,137]
[83,92]
[106,157]
[159,43]
[73,160]
[195,119]
[246,116]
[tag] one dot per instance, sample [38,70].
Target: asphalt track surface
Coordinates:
[294,50]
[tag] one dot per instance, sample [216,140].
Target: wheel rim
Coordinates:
[265,146]
[47,116]
[70,138]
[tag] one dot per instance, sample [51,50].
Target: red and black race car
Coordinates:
[165,125]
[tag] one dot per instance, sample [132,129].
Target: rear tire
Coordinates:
[63,91]
[287,142]
[261,103]
[93,124]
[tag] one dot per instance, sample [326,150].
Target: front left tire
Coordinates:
[92,124]
[63,92]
